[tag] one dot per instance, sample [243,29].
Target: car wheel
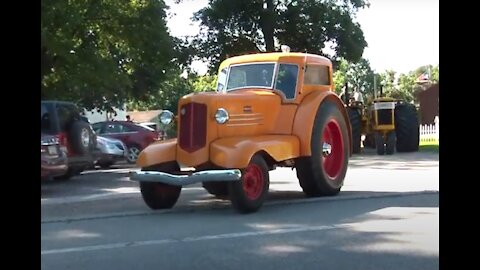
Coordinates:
[159,195]
[249,194]
[133,152]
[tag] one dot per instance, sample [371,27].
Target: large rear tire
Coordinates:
[355,122]
[323,173]
[159,195]
[407,128]
[249,194]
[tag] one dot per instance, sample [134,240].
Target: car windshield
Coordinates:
[250,75]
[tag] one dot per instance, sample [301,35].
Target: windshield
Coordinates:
[250,75]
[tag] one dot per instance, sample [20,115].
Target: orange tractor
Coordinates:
[269,110]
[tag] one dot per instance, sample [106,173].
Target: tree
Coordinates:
[358,75]
[167,95]
[386,80]
[406,87]
[204,83]
[101,53]
[231,27]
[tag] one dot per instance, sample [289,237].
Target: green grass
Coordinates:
[429,147]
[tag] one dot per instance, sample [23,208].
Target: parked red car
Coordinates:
[136,137]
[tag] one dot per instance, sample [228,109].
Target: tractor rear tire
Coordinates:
[407,128]
[323,173]
[159,195]
[356,124]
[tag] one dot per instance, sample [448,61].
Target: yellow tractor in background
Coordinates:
[388,124]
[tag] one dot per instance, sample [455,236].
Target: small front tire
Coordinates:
[249,194]
[159,195]
[380,143]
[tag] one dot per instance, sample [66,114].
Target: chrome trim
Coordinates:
[326,149]
[384,105]
[183,180]
[247,119]
[244,124]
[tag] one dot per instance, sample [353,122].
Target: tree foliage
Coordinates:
[171,90]
[99,53]
[204,83]
[231,27]
[406,86]
[358,76]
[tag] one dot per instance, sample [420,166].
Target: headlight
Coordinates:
[111,145]
[221,116]
[166,117]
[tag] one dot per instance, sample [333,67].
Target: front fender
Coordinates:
[305,117]
[236,152]
[157,153]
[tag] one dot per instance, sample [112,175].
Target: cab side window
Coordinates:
[317,75]
[287,80]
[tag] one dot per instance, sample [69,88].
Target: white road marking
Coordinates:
[193,239]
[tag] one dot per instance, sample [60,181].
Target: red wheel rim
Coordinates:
[253,181]
[332,149]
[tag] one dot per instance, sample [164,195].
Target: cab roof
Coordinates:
[273,57]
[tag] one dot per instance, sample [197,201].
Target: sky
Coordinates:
[402,35]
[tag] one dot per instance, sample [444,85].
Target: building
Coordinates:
[145,116]
[428,100]
[96,116]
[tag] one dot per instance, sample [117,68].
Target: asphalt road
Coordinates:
[386,217]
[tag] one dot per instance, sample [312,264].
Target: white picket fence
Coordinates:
[430,133]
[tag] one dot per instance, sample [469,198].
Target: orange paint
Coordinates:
[235,152]
[260,119]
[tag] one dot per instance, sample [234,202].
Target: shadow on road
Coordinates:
[379,233]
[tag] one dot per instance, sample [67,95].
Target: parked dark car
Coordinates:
[136,137]
[112,150]
[75,135]
[54,160]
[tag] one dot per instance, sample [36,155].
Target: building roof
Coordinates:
[143,116]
